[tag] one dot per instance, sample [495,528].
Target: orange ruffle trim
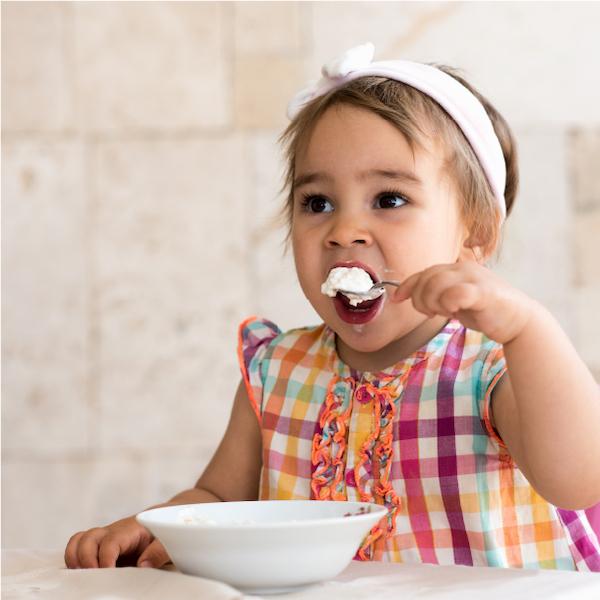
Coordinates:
[328,476]
[329,456]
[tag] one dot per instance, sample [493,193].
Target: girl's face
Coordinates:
[362,196]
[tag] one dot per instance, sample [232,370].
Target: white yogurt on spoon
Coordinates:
[353,282]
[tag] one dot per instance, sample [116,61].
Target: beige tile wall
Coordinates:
[140,168]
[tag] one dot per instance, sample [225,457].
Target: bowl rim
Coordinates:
[145,517]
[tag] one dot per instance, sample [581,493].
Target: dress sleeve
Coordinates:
[494,367]
[254,338]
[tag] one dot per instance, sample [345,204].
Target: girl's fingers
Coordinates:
[442,290]
[154,555]
[427,296]
[104,546]
[427,286]
[71,559]
[405,290]
[109,550]
[87,549]
[462,296]
[115,545]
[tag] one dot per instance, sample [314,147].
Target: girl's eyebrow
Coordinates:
[393,174]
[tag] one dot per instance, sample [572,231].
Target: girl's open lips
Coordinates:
[363,313]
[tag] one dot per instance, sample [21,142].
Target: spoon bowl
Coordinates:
[373,292]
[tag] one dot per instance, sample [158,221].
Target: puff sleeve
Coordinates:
[493,368]
[254,338]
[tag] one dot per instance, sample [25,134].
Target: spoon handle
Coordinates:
[376,286]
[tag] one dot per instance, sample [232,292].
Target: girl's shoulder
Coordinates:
[476,342]
[260,339]
[260,335]
[461,342]
[458,353]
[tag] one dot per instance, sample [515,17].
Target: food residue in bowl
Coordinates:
[189,517]
[363,510]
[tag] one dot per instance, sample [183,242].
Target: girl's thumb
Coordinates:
[154,555]
[400,293]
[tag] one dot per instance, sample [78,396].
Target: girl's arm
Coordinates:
[547,410]
[547,407]
[234,470]
[232,474]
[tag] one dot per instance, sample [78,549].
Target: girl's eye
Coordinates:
[390,200]
[316,204]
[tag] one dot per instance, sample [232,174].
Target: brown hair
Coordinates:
[410,111]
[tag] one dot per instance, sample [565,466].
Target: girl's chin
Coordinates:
[379,334]
[363,337]
[361,345]
[368,331]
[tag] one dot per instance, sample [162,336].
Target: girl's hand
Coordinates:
[471,293]
[103,546]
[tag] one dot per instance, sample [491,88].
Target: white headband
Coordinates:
[464,108]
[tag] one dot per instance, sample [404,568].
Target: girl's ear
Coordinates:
[472,251]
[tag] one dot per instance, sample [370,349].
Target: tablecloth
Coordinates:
[42,575]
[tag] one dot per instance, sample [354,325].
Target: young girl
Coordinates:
[454,399]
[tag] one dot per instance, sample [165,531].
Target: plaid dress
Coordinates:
[416,438]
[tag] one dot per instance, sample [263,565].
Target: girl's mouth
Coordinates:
[363,313]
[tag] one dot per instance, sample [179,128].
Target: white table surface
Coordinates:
[42,574]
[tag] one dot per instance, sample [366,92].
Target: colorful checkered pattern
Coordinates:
[416,437]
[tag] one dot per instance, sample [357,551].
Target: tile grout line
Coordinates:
[94,338]
[86,144]
[248,167]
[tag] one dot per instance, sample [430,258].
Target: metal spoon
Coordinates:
[373,292]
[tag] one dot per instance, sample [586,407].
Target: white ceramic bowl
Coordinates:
[263,546]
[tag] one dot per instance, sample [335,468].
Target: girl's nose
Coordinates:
[347,232]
